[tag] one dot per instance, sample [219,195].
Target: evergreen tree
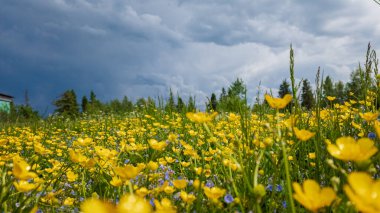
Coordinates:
[355,85]
[284,89]
[339,91]
[235,99]
[307,95]
[94,105]
[141,103]
[180,104]
[67,104]
[191,104]
[328,87]
[213,102]
[170,105]
[84,103]
[126,104]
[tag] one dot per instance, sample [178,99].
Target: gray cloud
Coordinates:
[143,48]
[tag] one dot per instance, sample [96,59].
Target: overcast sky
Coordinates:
[141,48]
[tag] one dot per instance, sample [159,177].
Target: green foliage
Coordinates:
[284,89]
[235,99]
[307,95]
[67,105]
[212,104]
[20,113]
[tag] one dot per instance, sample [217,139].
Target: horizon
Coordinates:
[144,49]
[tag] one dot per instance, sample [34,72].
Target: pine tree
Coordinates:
[212,103]
[191,104]
[339,91]
[284,89]
[180,104]
[67,104]
[170,105]
[328,87]
[307,95]
[84,103]
[94,105]
[126,104]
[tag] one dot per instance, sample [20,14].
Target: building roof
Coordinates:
[6,97]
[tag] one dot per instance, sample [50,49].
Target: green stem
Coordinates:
[286,162]
[256,172]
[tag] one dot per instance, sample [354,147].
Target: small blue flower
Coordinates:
[152,202]
[228,198]
[284,204]
[210,184]
[278,188]
[269,187]
[371,135]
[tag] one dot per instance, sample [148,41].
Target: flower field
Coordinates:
[152,161]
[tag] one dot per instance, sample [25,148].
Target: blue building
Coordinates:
[5,102]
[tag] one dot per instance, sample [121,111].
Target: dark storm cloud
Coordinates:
[143,48]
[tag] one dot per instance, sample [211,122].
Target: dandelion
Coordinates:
[312,196]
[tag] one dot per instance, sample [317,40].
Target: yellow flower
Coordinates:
[116,181]
[278,103]
[141,192]
[133,204]
[180,184]
[21,169]
[369,116]
[187,198]
[303,134]
[152,165]
[77,157]
[312,155]
[24,186]
[94,205]
[312,196]
[363,192]
[69,201]
[377,128]
[169,190]
[71,176]
[201,117]
[214,193]
[159,146]
[330,98]
[165,206]
[348,149]
[127,172]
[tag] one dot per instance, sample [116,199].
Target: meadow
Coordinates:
[279,157]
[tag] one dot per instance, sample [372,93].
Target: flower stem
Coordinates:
[286,163]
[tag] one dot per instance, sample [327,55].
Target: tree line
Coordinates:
[231,99]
